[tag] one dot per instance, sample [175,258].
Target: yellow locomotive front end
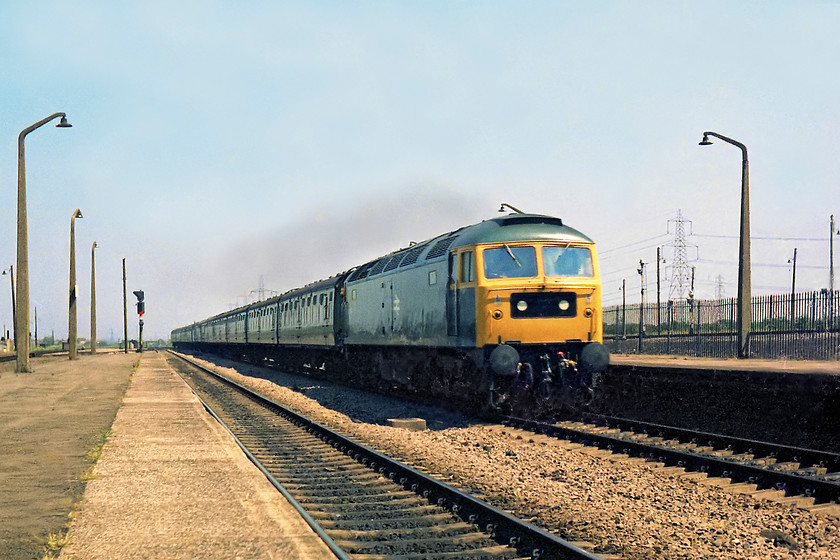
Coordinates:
[537,297]
[538,293]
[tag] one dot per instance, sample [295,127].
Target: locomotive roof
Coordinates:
[505,229]
[519,227]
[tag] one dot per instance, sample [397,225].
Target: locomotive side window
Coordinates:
[467,267]
[510,262]
[568,261]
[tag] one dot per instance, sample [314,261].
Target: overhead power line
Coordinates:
[758,238]
[766,265]
[607,251]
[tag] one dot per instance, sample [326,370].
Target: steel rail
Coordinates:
[501,526]
[790,482]
[782,453]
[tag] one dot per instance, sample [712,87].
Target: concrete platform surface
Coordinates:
[688,362]
[172,484]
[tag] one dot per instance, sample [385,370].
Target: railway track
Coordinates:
[362,503]
[805,477]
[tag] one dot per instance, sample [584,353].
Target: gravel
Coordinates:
[632,510]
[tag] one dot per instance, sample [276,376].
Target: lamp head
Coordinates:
[705,141]
[77,213]
[63,123]
[513,208]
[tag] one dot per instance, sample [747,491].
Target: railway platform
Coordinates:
[717,364]
[792,402]
[170,482]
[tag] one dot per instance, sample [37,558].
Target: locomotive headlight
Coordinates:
[497,314]
[564,305]
[587,313]
[522,305]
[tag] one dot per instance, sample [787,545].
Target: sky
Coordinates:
[220,147]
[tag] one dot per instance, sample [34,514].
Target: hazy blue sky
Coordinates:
[217,142]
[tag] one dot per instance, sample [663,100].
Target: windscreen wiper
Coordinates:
[561,252]
[509,252]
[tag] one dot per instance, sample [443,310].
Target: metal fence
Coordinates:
[799,326]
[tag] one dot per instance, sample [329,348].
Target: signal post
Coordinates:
[141,308]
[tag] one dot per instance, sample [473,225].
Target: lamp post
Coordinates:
[11,273]
[93,298]
[744,312]
[22,311]
[71,329]
[125,312]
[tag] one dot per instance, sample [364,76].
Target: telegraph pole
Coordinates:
[624,308]
[831,257]
[792,286]
[658,287]
[641,271]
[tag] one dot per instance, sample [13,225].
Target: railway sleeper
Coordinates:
[419,541]
[789,466]
[305,464]
[363,522]
[312,486]
[407,505]
[327,478]
[437,530]
[373,513]
[383,498]
[500,551]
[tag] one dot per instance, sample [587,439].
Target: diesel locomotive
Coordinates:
[503,315]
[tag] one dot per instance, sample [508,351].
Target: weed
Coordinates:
[55,542]
[87,475]
[96,451]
